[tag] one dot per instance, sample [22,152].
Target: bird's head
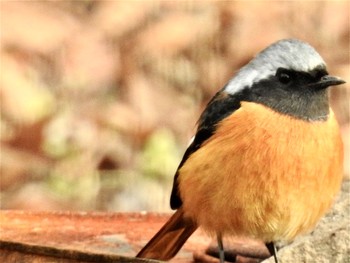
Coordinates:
[289,76]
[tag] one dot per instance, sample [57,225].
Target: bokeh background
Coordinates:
[100,98]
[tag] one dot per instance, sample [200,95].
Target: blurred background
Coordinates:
[100,98]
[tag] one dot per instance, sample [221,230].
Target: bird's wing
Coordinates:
[220,106]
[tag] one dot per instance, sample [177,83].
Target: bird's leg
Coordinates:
[272,249]
[221,248]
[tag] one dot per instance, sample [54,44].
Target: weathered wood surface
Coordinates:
[43,237]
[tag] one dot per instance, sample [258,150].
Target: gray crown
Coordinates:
[289,53]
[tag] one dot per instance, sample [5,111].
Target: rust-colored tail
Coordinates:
[169,239]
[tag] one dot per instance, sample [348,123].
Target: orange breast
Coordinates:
[263,175]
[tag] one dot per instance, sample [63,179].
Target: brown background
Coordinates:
[99,98]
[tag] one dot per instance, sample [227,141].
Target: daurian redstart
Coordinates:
[267,158]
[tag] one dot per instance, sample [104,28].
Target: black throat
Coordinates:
[296,99]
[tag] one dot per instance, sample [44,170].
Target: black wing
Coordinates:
[219,107]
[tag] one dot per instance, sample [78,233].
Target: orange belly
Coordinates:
[263,175]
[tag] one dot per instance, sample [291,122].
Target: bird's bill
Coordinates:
[327,81]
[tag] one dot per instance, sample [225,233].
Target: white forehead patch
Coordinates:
[289,53]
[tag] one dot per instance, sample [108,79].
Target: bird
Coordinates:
[266,161]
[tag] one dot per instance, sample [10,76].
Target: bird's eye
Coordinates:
[284,76]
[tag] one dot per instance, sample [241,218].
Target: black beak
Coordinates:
[327,81]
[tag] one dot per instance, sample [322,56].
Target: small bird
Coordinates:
[267,158]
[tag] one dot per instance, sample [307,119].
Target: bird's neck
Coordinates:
[305,105]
